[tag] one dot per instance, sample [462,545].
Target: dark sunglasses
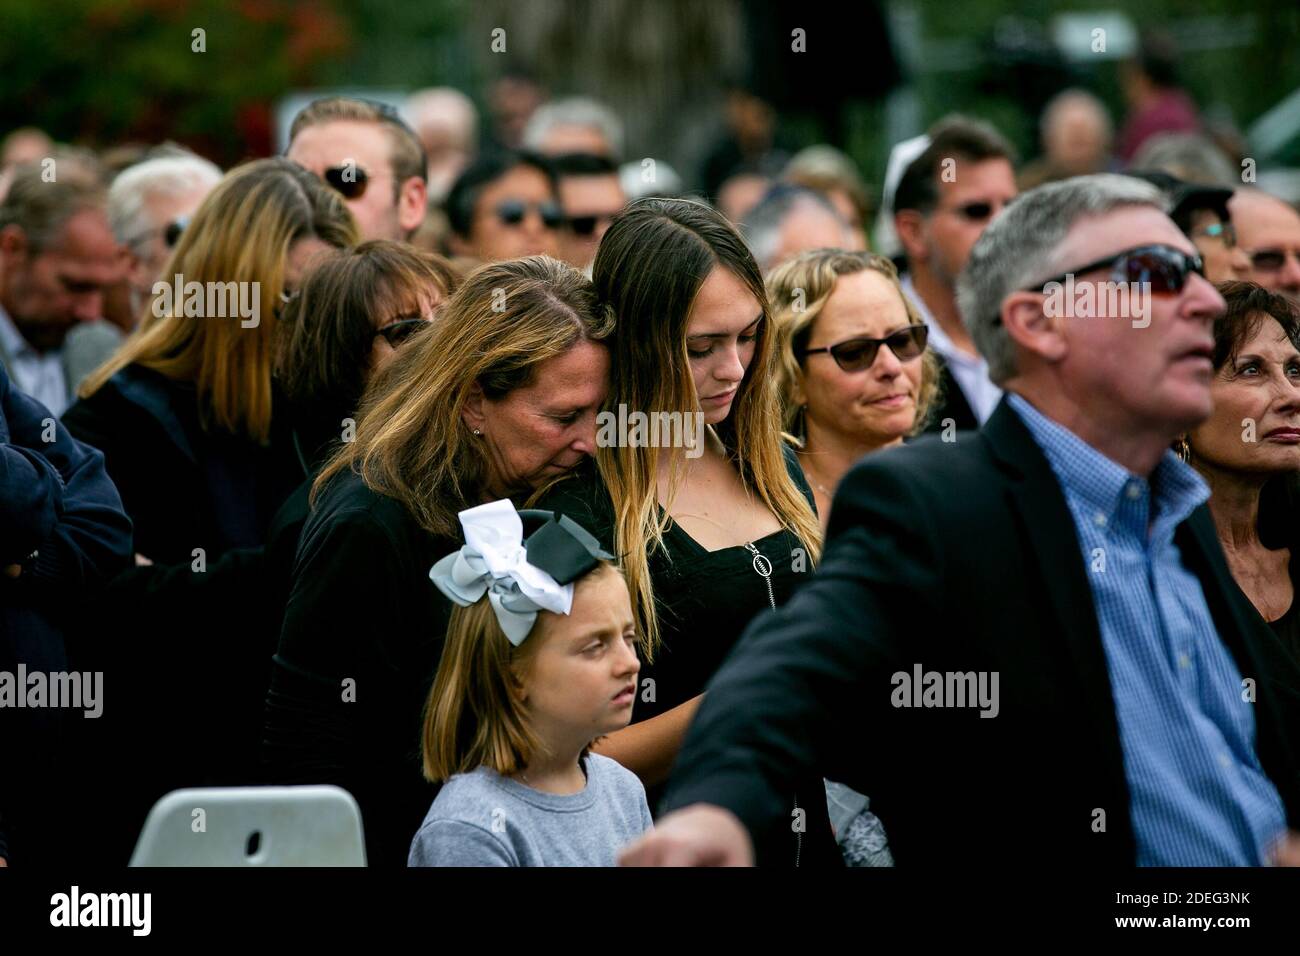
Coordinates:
[1271,260]
[399,330]
[511,212]
[586,225]
[350,181]
[974,211]
[171,233]
[1164,269]
[854,355]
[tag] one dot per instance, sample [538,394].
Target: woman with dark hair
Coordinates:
[1248,450]
[498,396]
[712,522]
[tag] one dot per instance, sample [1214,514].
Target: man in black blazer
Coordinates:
[968,558]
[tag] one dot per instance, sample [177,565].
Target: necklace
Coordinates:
[807,470]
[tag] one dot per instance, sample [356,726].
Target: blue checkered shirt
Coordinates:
[1198,794]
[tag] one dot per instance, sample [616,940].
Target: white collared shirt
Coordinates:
[970,372]
[39,374]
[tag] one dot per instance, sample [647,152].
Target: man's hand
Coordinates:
[1287,850]
[698,835]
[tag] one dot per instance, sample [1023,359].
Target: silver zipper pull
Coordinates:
[761,564]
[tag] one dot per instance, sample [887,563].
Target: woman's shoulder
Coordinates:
[347,507]
[133,398]
[582,496]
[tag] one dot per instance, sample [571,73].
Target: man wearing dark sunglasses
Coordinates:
[1268,230]
[370,155]
[943,201]
[504,206]
[591,196]
[1065,551]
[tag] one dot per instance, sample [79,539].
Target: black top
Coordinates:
[358,651]
[915,576]
[184,486]
[704,600]
[1287,627]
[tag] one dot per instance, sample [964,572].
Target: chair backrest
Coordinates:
[253,826]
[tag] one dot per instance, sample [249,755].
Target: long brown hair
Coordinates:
[326,333]
[649,268]
[240,234]
[506,319]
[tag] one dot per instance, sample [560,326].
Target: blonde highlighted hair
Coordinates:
[649,268]
[501,324]
[799,290]
[241,233]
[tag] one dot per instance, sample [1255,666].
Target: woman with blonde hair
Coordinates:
[183,410]
[496,398]
[854,371]
[183,414]
[698,496]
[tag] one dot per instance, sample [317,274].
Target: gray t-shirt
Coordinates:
[485,819]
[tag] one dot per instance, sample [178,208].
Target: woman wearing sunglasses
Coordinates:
[854,370]
[716,524]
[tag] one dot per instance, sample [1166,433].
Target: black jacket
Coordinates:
[952,404]
[184,644]
[959,557]
[61,521]
[362,635]
[184,486]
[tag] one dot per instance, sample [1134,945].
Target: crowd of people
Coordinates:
[314,463]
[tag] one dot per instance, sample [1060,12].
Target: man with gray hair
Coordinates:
[149,205]
[789,220]
[575,125]
[1144,714]
[57,258]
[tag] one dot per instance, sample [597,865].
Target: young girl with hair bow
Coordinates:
[540,660]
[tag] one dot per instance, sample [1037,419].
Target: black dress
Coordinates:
[704,600]
[1287,627]
[362,635]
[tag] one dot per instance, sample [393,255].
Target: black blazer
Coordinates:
[960,557]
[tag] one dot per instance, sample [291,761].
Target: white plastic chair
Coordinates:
[253,826]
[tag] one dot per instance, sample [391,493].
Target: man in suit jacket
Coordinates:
[1028,637]
[57,257]
[959,177]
